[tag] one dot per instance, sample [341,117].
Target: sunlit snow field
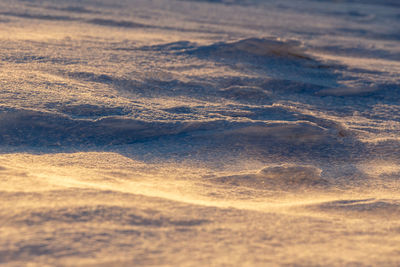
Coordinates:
[200,133]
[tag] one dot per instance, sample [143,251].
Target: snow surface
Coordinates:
[200,133]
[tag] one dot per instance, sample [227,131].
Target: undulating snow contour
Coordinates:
[200,133]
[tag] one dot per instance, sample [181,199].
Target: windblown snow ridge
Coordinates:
[36,128]
[256,47]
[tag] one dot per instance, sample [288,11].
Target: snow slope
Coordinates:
[191,133]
